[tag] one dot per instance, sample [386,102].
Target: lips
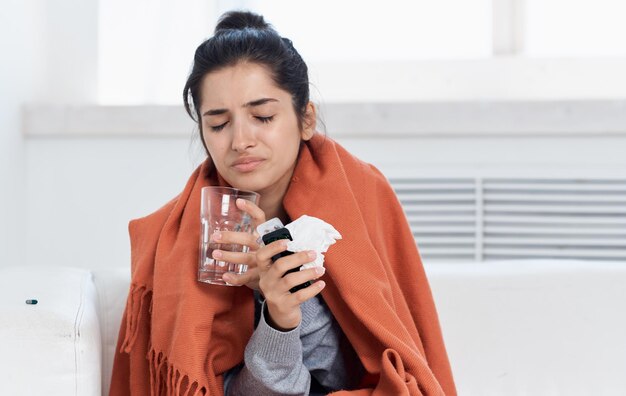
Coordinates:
[247,164]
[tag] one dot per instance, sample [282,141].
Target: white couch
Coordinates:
[64,344]
[540,327]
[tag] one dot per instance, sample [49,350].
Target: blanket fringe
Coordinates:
[134,308]
[167,380]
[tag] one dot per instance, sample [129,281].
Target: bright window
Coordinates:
[575,28]
[146,47]
[330,30]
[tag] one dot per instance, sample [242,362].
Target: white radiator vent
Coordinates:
[555,218]
[485,219]
[442,215]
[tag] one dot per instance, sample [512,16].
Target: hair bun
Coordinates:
[238,20]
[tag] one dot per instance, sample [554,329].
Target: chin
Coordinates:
[243,184]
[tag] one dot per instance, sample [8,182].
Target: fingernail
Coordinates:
[320,284]
[284,243]
[241,201]
[311,254]
[320,270]
[217,254]
[217,236]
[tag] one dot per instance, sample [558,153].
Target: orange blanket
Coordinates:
[178,336]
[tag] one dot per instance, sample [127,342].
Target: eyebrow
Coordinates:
[257,102]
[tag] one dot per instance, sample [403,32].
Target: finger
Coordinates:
[299,277]
[307,293]
[295,260]
[256,214]
[236,238]
[251,275]
[264,255]
[248,259]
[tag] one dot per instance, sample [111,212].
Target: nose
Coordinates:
[243,137]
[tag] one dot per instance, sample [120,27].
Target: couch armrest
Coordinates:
[53,347]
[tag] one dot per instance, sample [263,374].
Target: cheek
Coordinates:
[215,146]
[286,135]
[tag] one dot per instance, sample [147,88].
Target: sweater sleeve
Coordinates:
[284,363]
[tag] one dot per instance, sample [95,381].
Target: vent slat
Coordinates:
[490,218]
[580,253]
[575,209]
[438,207]
[424,240]
[498,257]
[570,187]
[419,222]
[491,197]
[437,197]
[445,211]
[444,228]
[489,229]
[430,185]
[501,240]
[446,250]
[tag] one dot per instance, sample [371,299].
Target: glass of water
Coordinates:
[218,212]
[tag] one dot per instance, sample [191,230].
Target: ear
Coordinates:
[309,122]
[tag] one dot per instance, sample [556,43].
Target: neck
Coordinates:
[272,198]
[272,204]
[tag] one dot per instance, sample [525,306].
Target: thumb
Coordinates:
[256,214]
[251,275]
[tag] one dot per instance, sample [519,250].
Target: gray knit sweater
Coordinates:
[288,363]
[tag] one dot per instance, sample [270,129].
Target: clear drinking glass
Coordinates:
[218,212]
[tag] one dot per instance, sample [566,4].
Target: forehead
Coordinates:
[239,84]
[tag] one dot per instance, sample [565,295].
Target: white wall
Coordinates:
[20,70]
[81,193]
[47,55]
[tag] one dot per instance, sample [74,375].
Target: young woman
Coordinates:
[366,326]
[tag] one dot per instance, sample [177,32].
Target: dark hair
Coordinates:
[245,37]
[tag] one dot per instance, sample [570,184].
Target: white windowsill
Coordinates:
[384,120]
[504,96]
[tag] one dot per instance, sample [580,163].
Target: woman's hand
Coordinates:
[283,307]
[249,278]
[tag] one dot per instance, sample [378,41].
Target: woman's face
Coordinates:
[250,128]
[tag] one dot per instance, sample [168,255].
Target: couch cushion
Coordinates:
[53,347]
[540,327]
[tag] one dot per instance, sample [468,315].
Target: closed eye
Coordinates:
[264,120]
[218,128]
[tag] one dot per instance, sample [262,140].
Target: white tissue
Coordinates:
[311,233]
